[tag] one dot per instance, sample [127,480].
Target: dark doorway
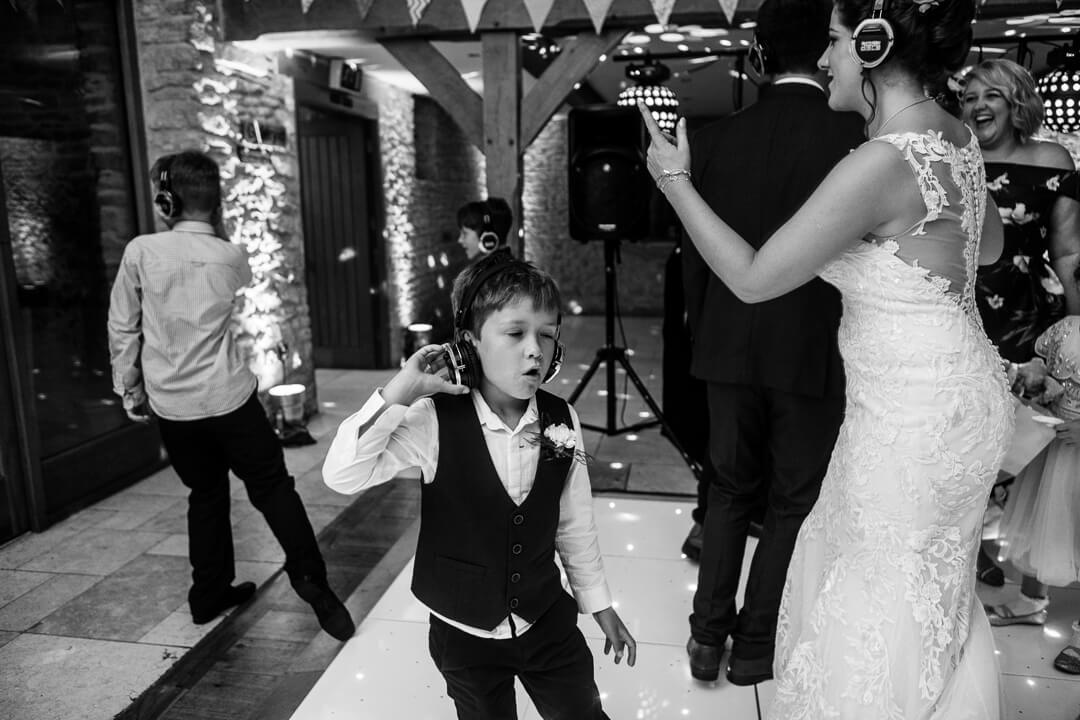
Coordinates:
[341,251]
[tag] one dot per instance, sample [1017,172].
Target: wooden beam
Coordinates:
[502,122]
[577,59]
[444,83]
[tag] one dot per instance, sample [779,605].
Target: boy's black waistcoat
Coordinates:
[480,557]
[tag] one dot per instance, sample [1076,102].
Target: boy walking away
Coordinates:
[505,487]
[173,355]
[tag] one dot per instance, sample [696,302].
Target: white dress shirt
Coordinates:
[169,315]
[371,448]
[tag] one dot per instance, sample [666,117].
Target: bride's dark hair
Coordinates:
[932,38]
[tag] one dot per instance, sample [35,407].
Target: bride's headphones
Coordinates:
[873,39]
[460,357]
[166,202]
[489,239]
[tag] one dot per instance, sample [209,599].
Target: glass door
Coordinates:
[66,163]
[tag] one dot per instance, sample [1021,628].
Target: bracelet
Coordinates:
[669,176]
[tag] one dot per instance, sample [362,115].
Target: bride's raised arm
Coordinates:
[858,196]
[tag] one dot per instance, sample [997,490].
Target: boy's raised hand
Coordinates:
[424,374]
[617,635]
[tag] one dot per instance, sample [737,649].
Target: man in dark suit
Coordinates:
[774,376]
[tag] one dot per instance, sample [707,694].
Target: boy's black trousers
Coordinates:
[551,659]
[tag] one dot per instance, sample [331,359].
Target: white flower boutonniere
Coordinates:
[559,441]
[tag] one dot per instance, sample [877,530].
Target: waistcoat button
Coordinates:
[518,519]
[516,549]
[513,603]
[515,577]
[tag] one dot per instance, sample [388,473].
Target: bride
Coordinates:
[879,617]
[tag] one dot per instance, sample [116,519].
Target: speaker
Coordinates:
[609,184]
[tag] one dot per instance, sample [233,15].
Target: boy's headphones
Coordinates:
[759,56]
[460,357]
[489,239]
[168,205]
[873,39]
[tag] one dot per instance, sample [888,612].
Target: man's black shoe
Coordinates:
[691,546]
[233,596]
[333,617]
[741,671]
[704,660]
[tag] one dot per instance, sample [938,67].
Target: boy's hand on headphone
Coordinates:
[424,374]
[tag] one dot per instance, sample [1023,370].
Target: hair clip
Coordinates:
[925,5]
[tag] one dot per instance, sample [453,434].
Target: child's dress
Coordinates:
[1042,520]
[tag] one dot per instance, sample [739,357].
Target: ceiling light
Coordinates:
[638,39]
[1026,19]
[749,24]
[654,29]
[708,32]
[683,47]
[672,37]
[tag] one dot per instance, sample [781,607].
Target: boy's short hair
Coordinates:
[514,280]
[471,215]
[193,177]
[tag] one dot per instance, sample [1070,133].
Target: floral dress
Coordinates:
[1019,296]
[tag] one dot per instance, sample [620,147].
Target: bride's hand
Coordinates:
[666,153]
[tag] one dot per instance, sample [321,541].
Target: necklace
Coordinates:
[893,116]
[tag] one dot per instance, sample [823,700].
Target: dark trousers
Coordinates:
[203,452]
[762,442]
[551,659]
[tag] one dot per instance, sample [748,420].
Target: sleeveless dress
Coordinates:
[1042,518]
[1019,296]
[879,617]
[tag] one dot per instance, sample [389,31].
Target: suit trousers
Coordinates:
[551,660]
[763,443]
[203,452]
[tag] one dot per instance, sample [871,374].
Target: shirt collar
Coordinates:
[194,226]
[491,421]
[793,79]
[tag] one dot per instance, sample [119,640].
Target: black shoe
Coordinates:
[704,660]
[741,671]
[333,617]
[987,572]
[691,546]
[233,596]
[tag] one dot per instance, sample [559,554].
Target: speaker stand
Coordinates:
[610,354]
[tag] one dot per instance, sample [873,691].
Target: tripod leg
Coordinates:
[694,467]
[586,377]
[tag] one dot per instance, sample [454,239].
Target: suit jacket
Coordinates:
[755,168]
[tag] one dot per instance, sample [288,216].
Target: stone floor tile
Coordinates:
[63,678]
[125,605]
[14,583]
[163,482]
[30,545]
[176,544]
[95,551]
[30,607]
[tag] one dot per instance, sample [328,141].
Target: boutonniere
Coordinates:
[557,442]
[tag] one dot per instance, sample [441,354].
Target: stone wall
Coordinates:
[196,93]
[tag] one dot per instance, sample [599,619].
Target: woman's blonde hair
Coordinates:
[1016,84]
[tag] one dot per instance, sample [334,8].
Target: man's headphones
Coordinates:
[489,239]
[460,357]
[873,39]
[168,204]
[759,56]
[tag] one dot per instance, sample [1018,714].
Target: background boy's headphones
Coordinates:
[873,39]
[489,239]
[460,357]
[759,56]
[168,205]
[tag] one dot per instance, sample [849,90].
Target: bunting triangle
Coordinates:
[473,9]
[598,10]
[729,7]
[362,7]
[538,12]
[416,10]
[662,9]
[305,5]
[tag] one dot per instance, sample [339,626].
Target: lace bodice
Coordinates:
[879,606]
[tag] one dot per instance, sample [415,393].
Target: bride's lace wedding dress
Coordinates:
[879,619]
